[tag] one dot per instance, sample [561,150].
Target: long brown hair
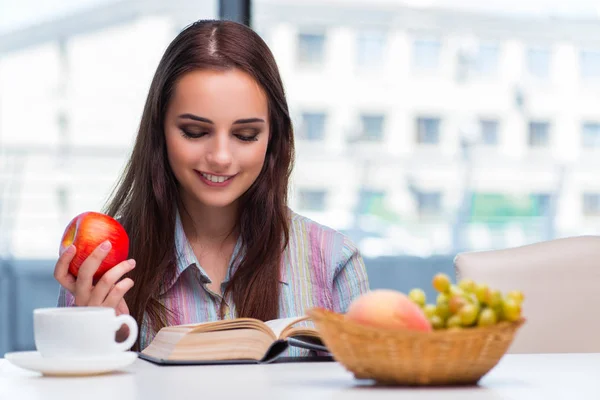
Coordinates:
[147,194]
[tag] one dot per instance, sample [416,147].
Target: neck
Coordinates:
[209,225]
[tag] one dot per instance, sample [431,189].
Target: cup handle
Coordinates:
[133,331]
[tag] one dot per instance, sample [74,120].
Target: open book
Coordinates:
[239,340]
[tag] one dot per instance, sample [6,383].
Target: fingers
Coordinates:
[118,291]
[61,270]
[122,307]
[108,280]
[83,284]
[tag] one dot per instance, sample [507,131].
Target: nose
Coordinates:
[219,153]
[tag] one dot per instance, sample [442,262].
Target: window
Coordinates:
[426,54]
[589,64]
[591,204]
[312,200]
[486,60]
[489,132]
[62,197]
[313,126]
[541,204]
[497,207]
[370,201]
[539,134]
[428,130]
[429,203]
[311,49]
[590,135]
[370,49]
[538,62]
[63,137]
[372,127]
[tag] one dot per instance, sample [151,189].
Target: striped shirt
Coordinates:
[320,268]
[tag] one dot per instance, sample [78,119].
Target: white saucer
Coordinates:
[33,361]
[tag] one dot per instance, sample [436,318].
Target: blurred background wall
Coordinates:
[424,128]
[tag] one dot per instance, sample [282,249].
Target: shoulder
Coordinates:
[300,223]
[329,242]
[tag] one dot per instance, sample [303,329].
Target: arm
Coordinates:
[350,277]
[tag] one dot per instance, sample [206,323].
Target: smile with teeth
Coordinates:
[216,179]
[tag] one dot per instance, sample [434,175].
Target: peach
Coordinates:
[389,309]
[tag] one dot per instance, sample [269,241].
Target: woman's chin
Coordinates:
[214,202]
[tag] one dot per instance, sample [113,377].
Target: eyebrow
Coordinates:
[208,121]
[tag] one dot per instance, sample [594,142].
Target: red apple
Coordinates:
[87,231]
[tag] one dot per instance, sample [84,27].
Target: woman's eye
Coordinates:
[249,135]
[192,134]
[247,138]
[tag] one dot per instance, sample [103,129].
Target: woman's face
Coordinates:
[217,131]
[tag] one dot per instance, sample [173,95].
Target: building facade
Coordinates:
[419,131]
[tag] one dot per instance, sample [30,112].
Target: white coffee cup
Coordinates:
[79,332]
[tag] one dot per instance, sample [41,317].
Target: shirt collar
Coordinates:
[183,254]
[186,258]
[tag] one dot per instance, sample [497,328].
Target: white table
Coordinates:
[542,376]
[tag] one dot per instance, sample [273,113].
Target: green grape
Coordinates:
[442,298]
[494,298]
[468,314]
[429,310]
[481,291]
[516,295]
[487,317]
[511,310]
[436,322]
[472,298]
[467,285]
[456,291]
[441,282]
[454,322]
[442,309]
[456,303]
[418,296]
[499,310]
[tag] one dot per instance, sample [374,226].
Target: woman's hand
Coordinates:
[107,292]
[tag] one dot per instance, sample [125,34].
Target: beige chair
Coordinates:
[561,282]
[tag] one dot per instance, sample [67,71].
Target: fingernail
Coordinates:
[131,262]
[70,249]
[105,245]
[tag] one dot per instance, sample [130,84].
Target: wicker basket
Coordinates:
[405,357]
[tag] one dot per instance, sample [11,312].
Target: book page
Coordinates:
[223,325]
[279,325]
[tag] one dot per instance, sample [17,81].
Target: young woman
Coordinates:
[204,199]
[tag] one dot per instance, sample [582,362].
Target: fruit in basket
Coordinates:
[467,285]
[516,295]
[442,306]
[454,290]
[487,317]
[468,304]
[436,322]
[494,298]
[481,292]
[468,314]
[454,321]
[429,310]
[511,309]
[456,303]
[86,232]
[388,309]
[418,296]
[441,283]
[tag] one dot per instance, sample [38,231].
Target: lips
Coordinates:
[214,179]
